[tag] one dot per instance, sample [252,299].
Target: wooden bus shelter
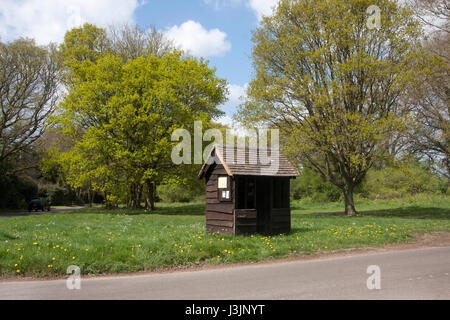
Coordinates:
[244,196]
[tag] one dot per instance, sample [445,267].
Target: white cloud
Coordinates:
[236,97]
[226,120]
[48,20]
[192,37]
[262,7]
[235,127]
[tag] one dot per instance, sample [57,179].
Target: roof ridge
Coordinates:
[245,147]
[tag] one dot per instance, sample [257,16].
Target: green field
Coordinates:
[111,241]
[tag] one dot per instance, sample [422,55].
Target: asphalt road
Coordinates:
[408,274]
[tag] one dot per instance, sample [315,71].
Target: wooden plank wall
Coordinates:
[245,221]
[219,214]
[281,220]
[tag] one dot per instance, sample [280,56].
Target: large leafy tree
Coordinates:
[29,82]
[331,82]
[121,114]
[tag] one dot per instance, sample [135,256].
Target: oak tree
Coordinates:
[330,78]
[120,114]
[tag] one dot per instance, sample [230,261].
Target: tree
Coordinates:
[82,47]
[80,51]
[433,13]
[29,83]
[120,116]
[430,101]
[130,42]
[331,82]
[86,44]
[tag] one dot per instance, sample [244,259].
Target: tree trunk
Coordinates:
[136,191]
[132,200]
[90,197]
[149,196]
[139,189]
[106,202]
[349,203]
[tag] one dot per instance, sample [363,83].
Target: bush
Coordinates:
[177,193]
[407,178]
[16,191]
[401,181]
[56,195]
[310,185]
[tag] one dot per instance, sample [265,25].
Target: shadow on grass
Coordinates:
[6,236]
[410,212]
[188,209]
[181,209]
[198,209]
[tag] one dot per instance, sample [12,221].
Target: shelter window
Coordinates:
[245,189]
[222,182]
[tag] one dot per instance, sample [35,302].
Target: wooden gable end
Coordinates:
[219,213]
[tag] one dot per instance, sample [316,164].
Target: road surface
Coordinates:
[408,274]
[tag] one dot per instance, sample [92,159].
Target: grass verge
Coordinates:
[112,241]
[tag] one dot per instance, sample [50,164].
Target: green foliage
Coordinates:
[16,191]
[121,114]
[81,47]
[310,185]
[56,194]
[50,165]
[171,193]
[398,180]
[332,85]
[404,180]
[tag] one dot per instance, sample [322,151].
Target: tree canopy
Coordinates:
[29,83]
[120,115]
[430,101]
[331,83]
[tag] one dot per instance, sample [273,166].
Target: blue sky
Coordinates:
[218,30]
[236,21]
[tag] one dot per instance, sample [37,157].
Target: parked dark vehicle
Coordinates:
[39,204]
